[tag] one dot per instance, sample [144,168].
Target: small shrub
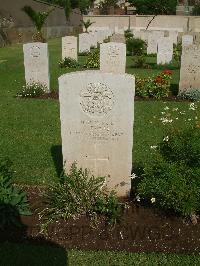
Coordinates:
[135,46]
[139,61]
[171,179]
[68,62]
[154,87]
[32,90]
[79,194]
[190,94]
[177,53]
[128,34]
[93,60]
[13,201]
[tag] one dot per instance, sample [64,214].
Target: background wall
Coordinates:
[180,23]
[56,24]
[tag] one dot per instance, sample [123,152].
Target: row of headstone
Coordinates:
[91,39]
[97,119]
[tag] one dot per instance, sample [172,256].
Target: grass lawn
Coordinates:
[32,255]
[30,129]
[30,137]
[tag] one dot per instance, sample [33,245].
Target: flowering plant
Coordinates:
[154,87]
[171,180]
[32,90]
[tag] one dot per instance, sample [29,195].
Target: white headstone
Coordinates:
[113,57]
[69,47]
[165,50]
[118,38]
[190,68]
[187,40]
[153,37]
[84,43]
[96,112]
[36,63]
[174,36]
[93,39]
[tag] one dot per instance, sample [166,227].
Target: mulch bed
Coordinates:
[140,230]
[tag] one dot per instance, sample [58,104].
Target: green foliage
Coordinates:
[93,59]
[79,193]
[172,180]
[177,53]
[190,94]
[128,34]
[155,7]
[38,18]
[13,202]
[68,62]
[154,87]
[135,46]
[196,10]
[182,147]
[32,90]
[139,61]
[87,24]
[104,5]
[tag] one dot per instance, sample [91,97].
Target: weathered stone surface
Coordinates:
[36,63]
[153,37]
[96,112]
[113,57]
[174,36]
[187,40]
[69,47]
[190,68]
[84,43]
[118,38]
[165,50]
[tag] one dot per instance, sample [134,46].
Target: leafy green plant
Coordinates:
[13,201]
[171,179]
[38,18]
[190,94]
[128,34]
[32,90]
[93,59]
[79,193]
[139,61]
[177,53]
[135,46]
[87,24]
[68,62]
[154,87]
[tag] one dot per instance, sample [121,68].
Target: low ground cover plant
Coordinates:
[32,90]
[155,86]
[68,62]
[93,59]
[190,94]
[79,193]
[172,180]
[13,201]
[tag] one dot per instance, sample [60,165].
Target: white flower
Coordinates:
[189,119]
[133,176]
[166,138]
[138,198]
[153,147]
[166,108]
[165,120]
[153,200]
[163,113]
[175,109]
[192,107]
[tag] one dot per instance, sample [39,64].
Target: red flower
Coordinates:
[159,79]
[167,72]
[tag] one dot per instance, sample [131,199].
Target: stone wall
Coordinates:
[179,23]
[23,29]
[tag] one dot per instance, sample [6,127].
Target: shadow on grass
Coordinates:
[56,153]
[174,89]
[17,247]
